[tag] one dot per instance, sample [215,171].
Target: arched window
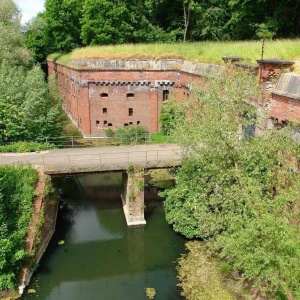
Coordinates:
[104,95]
[165,95]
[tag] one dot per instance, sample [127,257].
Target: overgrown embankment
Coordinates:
[17,191]
[205,52]
[28,210]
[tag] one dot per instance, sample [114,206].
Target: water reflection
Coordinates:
[102,258]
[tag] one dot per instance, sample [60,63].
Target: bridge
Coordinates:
[131,160]
[101,159]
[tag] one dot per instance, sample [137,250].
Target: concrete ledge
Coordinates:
[288,85]
[128,64]
[200,69]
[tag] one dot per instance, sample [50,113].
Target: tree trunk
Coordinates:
[186,15]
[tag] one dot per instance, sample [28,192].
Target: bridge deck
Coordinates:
[86,160]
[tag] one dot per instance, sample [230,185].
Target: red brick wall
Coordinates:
[284,108]
[114,108]
[92,113]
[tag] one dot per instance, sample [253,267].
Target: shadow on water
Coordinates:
[101,257]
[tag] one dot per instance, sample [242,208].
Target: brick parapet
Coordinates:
[200,69]
[285,99]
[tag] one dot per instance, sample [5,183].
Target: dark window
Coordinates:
[104,95]
[130,111]
[130,123]
[97,122]
[109,124]
[130,96]
[138,122]
[104,122]
[104,110]
[126,124]
[165,95]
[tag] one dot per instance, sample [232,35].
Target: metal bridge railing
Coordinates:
[84,142]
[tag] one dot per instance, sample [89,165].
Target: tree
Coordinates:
[234,190]
[105,22]
[35,38]
[11,39]
[62,31]
[26,109]
[278,16]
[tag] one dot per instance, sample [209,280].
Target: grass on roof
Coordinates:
[209,52]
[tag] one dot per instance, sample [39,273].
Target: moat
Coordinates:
[101,258]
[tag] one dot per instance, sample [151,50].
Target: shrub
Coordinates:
[26,147]
[131,134]
[17,187]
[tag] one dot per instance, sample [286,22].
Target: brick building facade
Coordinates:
[98,94]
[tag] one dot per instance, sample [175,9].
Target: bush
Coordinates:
[172,113]
[129,135]
[26,147]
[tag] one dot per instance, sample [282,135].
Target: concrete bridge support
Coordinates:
[133,196]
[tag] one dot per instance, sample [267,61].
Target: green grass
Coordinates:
[209,52]
[158,138]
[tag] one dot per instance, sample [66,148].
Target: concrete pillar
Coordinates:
[133,196]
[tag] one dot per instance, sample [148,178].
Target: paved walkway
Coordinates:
[80,160]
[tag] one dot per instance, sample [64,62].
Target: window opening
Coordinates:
[130,96]
[165,95]
[138,122]
[104,122]
[104,110]
[126,124]
[130,111]
[104,95]
[97,122]
[130,123]
[109,124]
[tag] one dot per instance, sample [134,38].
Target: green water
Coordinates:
[102,258]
